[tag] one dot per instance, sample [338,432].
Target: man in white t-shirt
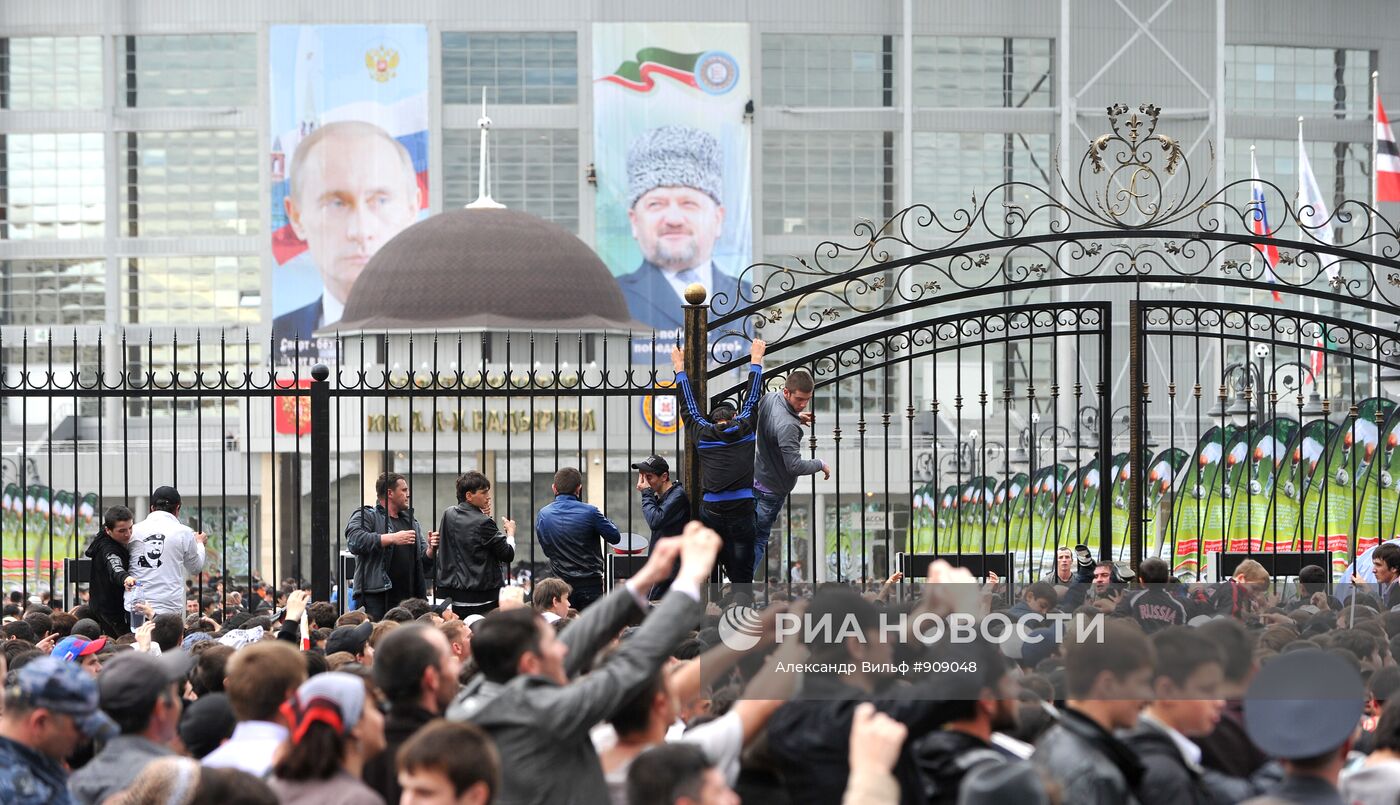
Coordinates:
[164,552]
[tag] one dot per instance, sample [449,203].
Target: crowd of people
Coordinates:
[1191,693]
[439,682]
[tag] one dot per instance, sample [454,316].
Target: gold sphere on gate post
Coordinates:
[695,294]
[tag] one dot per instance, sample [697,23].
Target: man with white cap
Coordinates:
[675,206]
[1304,708]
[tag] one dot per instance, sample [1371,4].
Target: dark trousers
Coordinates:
[470,602]
[734,521]
[112,624]
[586,591]
[658,591]
[376,604]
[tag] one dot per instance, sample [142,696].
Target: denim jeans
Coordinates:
[766,508]
[734,520]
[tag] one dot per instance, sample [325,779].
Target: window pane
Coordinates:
[828,71]
[518,68]
[45,73]
[52,186]
[49,292]
[821,182]
[949,167]
[535,170]
[1299,81]
[183,71]
[180,290]
[190,182]
[983,72]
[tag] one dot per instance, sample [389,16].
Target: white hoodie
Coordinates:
[164,552]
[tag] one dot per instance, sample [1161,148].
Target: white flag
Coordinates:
[1312,210]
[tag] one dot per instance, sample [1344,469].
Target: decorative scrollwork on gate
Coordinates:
[1133,210]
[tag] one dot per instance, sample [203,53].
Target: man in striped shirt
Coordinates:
[726,441]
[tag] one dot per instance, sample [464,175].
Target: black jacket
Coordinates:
[111,566]
[726,455]
[810,738]
[380,772]
[1168,779]
[373,560]
[1229,749]
[470,550]
[667,516]
[1090,764]
[945,757]
[1153,608]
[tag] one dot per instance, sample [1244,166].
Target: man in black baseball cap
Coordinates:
[1304,708]
[664,505]
[352,640]
[164,552]
[142,693]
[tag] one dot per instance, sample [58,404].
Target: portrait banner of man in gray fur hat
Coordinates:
[676,211]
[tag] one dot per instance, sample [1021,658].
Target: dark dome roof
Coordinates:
[485,268]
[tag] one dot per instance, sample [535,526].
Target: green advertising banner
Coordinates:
[1199,515]
[1253,484]
[1163,474]
[1380,509]
[1332,508]
[1078,506]
[1000,531]
[1045,519]
[1297,474]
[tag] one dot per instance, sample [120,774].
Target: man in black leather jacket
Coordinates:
[978,703]
[1107,680]
[471,549]
[111,572]
[1188,682]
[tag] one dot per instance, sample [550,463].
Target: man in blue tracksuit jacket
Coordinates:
[726,442]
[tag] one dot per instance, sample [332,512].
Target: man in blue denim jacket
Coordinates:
[568,530]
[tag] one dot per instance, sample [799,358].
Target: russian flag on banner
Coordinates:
[1387,158]
[406,121]
[1259,224]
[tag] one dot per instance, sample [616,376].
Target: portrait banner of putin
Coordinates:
[349,166]
[672,155]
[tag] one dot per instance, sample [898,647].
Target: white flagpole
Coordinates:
[1375,159]
[1253,175]
[1298,202]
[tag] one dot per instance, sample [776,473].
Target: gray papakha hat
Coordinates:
[674,156]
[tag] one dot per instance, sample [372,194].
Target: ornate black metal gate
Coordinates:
[1033,368]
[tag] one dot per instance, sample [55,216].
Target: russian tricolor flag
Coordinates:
[1259,224]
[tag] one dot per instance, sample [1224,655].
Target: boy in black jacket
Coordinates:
[111,571]
[1187,682]
[726,443]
